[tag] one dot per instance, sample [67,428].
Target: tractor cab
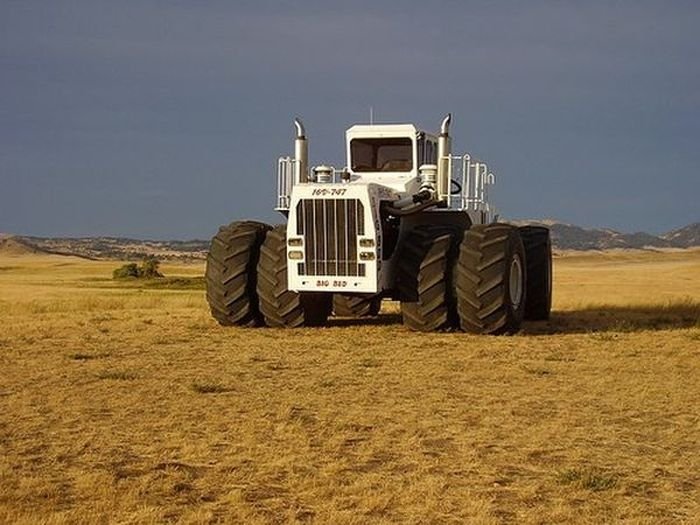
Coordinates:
[389,149]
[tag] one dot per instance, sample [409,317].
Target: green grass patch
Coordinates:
[592,479]
[161,283]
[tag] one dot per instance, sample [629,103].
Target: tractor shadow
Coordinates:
[381,320]
[618,319]
[583,321]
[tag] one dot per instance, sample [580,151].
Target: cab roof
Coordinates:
[382,130]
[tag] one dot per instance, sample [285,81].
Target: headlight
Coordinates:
[295,241]
[366,256]
[366,243]
[296,255]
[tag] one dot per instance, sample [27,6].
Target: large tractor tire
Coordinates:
[356,305]
[490,280]
[538,262]
[424,275]
[280,306]
[230,273]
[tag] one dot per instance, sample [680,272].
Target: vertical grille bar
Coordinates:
[347,236]
[342,237]
[336,244]
[326,232]
[352,235]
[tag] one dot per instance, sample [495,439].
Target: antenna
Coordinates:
[371,115]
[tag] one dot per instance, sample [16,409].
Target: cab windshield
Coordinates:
[385,154]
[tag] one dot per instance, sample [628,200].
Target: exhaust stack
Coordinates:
[301,152]
[444,151]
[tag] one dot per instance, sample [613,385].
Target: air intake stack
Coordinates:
[444,152]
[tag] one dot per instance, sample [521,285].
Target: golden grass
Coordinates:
[130,405]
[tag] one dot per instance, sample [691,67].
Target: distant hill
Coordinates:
[686,236]
[564,237]
[12,245]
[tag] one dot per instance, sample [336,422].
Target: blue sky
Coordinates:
[165,119]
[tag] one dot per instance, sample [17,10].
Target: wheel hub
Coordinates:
[515,282]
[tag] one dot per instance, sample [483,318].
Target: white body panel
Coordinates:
[321,240]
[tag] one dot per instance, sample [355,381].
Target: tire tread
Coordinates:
[230,273]
[481,283]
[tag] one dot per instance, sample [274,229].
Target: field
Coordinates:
[127,403]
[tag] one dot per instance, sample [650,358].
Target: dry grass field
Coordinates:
[122,403]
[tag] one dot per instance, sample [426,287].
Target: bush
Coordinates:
[126,271]
[147,270]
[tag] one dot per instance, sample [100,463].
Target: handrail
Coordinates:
[475,180]
[287,178]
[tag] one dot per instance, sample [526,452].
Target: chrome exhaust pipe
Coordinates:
[443,164]
[301,152]
[445,126]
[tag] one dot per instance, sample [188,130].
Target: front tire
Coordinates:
[538,257]
[423,278]
[280,306]
[490,280]
[230,273]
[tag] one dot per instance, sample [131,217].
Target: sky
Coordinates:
[163,120]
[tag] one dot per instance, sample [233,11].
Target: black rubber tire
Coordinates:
[230,273]
[482,279]
[424,277]
[281,307]
[356,305]
[538,262]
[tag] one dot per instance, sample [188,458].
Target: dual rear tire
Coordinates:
[538,255]
[356,305]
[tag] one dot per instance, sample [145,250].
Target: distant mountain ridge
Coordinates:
[570,237]
[564,237]
[10,245]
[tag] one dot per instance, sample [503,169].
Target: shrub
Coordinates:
[126,271]
[147,270]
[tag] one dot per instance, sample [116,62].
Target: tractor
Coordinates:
[404,220]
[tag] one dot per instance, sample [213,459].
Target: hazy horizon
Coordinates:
[163,121]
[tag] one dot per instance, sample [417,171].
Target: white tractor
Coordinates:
[405,220]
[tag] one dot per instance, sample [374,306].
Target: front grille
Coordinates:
[330,228]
